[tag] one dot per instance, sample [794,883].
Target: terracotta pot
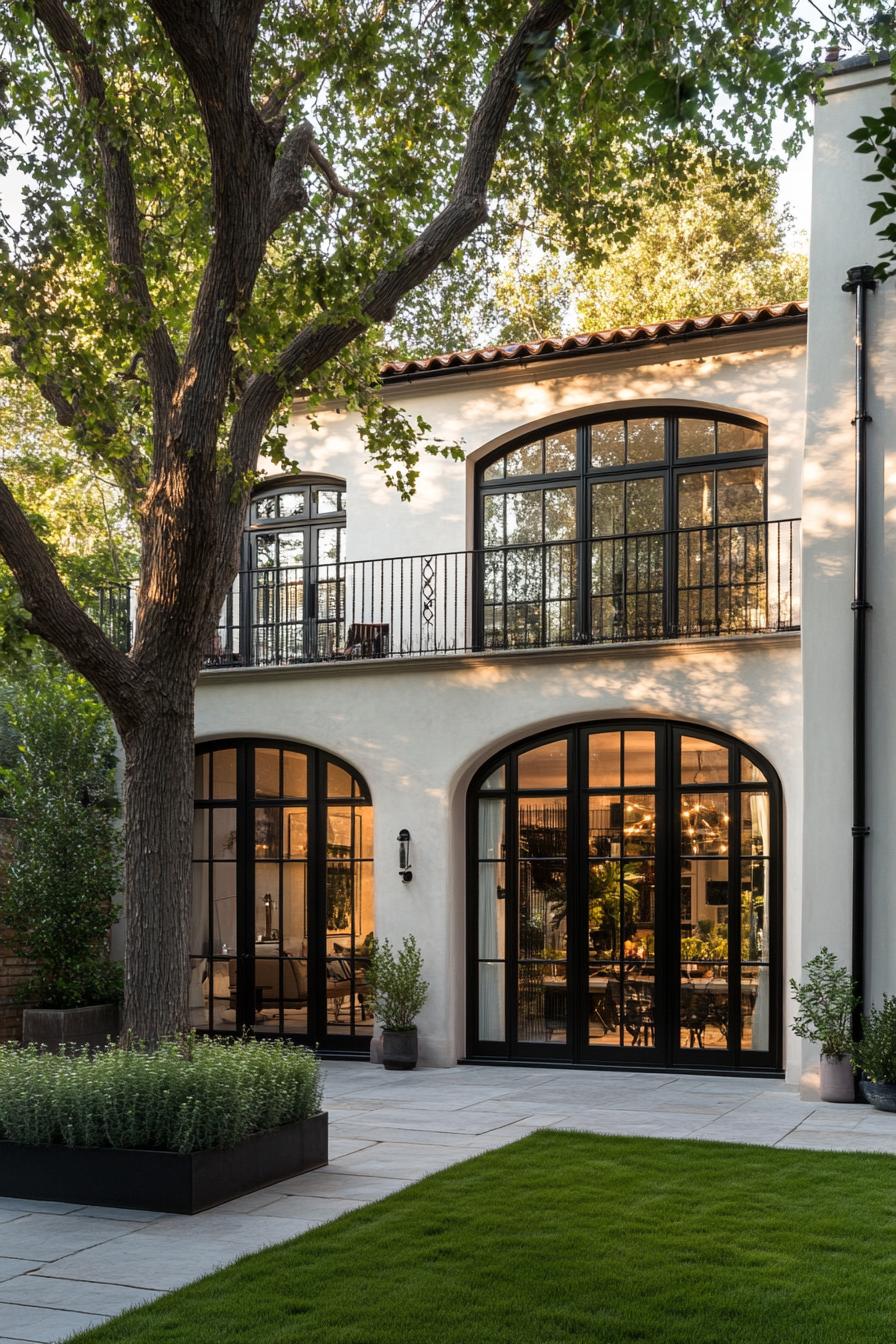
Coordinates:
[400,1049]
[837,1081]
[882,1096]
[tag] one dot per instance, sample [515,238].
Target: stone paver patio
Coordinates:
[64,1267]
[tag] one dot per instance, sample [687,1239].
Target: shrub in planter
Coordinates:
[825,1002]
[180,1127]
[397,992]
[875,1055]
[58,900]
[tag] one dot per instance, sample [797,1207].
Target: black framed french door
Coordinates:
[295,602]
[625,900]
[282,894]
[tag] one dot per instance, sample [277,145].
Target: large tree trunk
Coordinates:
[158,818]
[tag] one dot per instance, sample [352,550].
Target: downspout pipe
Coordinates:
[860,282]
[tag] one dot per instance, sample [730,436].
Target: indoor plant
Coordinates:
[826,1001]
[58,900]
[398,992]
[875,1055]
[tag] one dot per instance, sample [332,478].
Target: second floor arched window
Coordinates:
[624,525]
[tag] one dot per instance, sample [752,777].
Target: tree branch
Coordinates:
[464,211]
[57,618]
[288,193]
[214,44]
[280,94]
[328,172]
[122,218]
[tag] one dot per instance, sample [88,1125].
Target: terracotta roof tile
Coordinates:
[775,314]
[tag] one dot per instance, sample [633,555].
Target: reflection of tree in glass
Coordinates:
[523,517]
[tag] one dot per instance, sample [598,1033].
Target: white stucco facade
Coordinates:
[418,729]
[417,733]
[760,374]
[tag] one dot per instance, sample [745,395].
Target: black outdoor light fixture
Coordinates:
[404,855]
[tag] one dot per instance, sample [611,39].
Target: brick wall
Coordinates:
[12,969]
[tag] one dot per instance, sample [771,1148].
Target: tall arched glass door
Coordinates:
[282,894]
[294,552]
[625,900]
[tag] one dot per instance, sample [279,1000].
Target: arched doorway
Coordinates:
[282,893]
[625,900]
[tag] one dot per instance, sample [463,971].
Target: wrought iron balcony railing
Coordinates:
[737,579]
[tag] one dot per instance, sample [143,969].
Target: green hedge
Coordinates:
[198,1093]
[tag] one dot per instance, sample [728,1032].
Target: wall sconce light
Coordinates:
[404,855]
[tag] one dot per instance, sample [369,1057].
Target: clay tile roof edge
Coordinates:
[772,314]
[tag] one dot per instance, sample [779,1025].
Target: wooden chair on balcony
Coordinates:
[367,639]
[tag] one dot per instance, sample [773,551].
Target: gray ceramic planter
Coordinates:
[880,1095]
[836,1078]
[400,1049]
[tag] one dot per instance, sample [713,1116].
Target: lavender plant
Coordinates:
[186,1095]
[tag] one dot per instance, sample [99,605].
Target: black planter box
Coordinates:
[57,1027]
[139,1178]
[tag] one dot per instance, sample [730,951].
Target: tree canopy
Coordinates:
[370,129]
[723,243]
[78,510]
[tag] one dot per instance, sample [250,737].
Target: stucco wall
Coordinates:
[752,372]
[842,236]
[417,733]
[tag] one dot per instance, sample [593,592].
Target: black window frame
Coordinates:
[267,606]
[667,1053]
[316,801]
[670,469]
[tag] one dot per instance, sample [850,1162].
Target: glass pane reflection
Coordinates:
[591,894]
[543,1002]
[543,767]
[756,987]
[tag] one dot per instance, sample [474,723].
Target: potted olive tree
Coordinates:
[57,901]
[397,992]
[825,1001]
[875,1055]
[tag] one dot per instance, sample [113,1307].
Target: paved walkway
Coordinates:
[64,1267]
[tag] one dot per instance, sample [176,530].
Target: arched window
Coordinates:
[625,526]
[282,893]
[625,899]
[294,554]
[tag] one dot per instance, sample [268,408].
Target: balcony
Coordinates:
[696,583]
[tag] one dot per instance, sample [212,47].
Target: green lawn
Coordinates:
[574,1237]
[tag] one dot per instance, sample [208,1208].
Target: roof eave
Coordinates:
[615,342]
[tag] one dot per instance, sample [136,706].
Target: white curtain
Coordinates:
[760,821]
[491,920]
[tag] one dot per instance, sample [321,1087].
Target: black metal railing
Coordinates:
[738,579]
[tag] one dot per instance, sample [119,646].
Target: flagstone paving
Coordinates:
[64,1267]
